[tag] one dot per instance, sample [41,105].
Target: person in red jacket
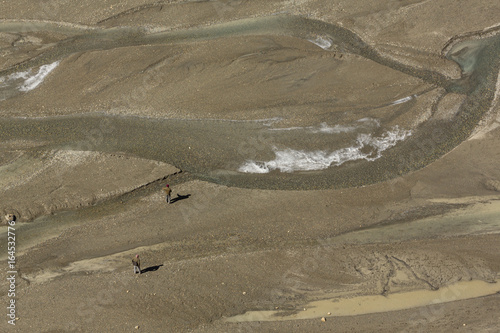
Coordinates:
[168,191]
[137,264]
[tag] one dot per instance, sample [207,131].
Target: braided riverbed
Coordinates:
[257,153]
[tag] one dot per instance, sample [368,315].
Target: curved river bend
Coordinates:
[216,150]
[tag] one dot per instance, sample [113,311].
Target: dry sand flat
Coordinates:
[246,78]
[222,252]
[61,180]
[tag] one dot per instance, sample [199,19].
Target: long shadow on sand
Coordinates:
[180,197]
[151,268]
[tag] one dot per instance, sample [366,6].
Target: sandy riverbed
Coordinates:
[87,191]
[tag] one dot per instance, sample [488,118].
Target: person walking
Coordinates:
[168,191]
[137,264]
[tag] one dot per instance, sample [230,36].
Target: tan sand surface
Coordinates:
[429,238]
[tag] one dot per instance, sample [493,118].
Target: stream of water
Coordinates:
[253,153]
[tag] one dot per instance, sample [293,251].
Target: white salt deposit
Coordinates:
[324,42]
[26,81]
[290,160]
[325,128]
[404,100]
[31,82]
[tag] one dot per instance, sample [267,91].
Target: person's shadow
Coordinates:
[180,197]
[151,268]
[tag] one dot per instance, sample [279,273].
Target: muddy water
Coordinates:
[377,303]
[213,150]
